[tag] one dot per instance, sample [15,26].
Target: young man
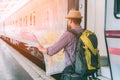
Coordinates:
[67,40]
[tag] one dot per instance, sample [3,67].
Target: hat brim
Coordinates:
[67,17]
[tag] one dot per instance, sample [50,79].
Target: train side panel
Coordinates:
[36,19]
[113,37]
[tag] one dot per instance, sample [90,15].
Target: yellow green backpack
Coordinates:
[87,54]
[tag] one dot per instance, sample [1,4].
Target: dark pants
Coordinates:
[57,76]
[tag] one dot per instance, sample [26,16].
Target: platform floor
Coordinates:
[14,66]
[10,69]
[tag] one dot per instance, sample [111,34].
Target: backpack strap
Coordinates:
[72,63]
[77,35]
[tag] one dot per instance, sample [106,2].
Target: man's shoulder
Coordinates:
[67,34]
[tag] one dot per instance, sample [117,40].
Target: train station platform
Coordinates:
[10,69]
[14,66]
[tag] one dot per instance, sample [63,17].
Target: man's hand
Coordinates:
[42,49]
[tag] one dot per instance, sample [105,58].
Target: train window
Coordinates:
[117,9]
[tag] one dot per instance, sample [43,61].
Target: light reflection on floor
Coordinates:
[115,66]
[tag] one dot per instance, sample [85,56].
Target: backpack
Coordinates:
[87,58]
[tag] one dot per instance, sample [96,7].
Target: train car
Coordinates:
[112,22]
[43,22]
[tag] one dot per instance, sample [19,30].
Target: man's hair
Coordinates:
[76,21]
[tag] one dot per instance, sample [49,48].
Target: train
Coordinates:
[43,22]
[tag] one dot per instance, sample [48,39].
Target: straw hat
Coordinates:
[74,14]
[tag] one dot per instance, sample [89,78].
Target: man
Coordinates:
[67,40]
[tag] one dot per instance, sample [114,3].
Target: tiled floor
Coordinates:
[10,68]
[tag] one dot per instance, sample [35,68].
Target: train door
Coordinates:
[112,29]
